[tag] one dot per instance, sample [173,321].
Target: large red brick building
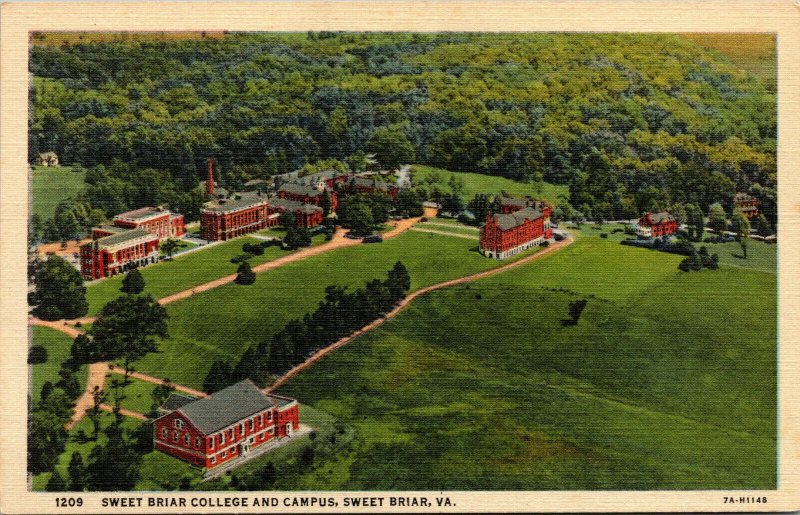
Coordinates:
[305,215]
[522,227]
[131,241]
[116,253]
[656,225]
[225,426]
[224,219]
[308,194]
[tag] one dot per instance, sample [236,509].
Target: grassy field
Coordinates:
[58,346]
[136,395]
[51,185]
[182,245]
[752,52]
[666,382]
[183,272]
[221,323]
[479,183]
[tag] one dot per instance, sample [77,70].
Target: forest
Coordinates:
[630,122]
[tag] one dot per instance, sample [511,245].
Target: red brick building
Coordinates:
[367,185]
[656,225]
[305,215]
[119,252]
[224,219]
[225,426]
[156,220]
[506,234]
[308,194]
[746,204]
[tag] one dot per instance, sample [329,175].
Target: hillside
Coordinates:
[630,122]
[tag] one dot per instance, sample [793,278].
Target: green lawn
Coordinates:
[760,255]
[136,395]
[221,323]
[58,346]
[479,183]
[51,185]
[183,272]
[667,382]
[182,245]
[454,228]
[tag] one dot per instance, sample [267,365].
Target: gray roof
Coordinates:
[122,237]
[743,197]
[138,214]
[233,204]
[300,189]
[112,228]
[226,407]
[372,183]
[293,205]
[517,218]
[175,401]
[661,217]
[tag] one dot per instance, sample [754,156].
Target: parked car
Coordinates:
[373,238]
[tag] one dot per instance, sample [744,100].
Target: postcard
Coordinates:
[441,257]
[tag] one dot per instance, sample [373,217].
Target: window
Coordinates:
[251,423]
[187,440]
[211,443]
[164,433]
[174,436]
[219,439]
[241,428]
[271,430]
[232,450]
[213,459]
[179,423]
[269,415]
[230,434]
[252,439]
[198,442]
[222,455]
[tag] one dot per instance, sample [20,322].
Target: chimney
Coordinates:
[210,180]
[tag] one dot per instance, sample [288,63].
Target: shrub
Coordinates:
[603,235]
[245,274]
[37,355]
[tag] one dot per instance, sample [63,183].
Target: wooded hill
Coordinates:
[631,122]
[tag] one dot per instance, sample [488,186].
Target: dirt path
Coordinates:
[58,325]
[406,301]
[473,237]
[97,377]
[123,411]
[55,248]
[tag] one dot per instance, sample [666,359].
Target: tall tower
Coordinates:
[210,180]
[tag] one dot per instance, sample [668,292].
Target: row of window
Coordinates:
[263,419]
[232,450]
[187,438]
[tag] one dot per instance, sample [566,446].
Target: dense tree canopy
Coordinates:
[631,122]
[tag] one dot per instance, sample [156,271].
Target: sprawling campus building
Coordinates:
[656,225]
[520,225]
[130,241]
[225,426]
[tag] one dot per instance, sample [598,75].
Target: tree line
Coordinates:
[338,315]
[631,122]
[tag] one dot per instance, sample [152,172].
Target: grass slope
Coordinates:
[221,323]
[667,382]
[58,346]
[51,185]
[479,183]
[183,272]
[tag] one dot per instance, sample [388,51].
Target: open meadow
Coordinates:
[479,183]
[481,386]
[221,323]
[52,184]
